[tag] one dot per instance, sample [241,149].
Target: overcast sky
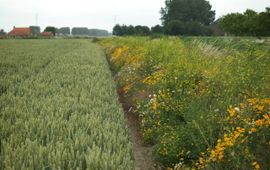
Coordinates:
[101,13]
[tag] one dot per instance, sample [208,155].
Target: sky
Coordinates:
[102,14]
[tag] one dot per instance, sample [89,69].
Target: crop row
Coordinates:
[59,108]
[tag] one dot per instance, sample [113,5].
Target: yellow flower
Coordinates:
[260,108]
[232,112]
[253,130]
[237,115]
[220,157]
[259,122]
[252,101]
[256,165]
[119,52]
[127,87]
[154,103]
[267,101]
[154,78]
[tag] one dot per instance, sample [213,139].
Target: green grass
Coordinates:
[59,108]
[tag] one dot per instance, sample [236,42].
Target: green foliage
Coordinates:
[117,30]
[59,108]
[192,14]
[250,23]
[131,30]
[195,28]
[182,89]
[158,29]
[264,23]
[2,33]
[175,27]
[50,29]
[142,30]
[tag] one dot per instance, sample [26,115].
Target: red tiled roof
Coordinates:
[20,32]
[49,34]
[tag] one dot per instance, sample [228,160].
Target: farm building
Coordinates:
[20,32]
[47,34]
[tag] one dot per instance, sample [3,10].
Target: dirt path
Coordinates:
[142,153]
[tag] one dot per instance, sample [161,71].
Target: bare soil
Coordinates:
[142,153]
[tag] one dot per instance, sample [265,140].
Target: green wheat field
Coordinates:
[59,107]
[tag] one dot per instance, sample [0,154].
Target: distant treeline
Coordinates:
[250,23]
[77,31]
[65,31]
[173,28]
[121,30]
[196,18]
[89,32]
[179,17]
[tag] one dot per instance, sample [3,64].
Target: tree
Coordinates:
[125,30]
[188,16]
[233,23]
[250,23]
[174,27]
[50,29]
[2,32]
[117,30]
[263,23]
[158,29]
[142,30]
[187,10]
[196,29]
[129,30]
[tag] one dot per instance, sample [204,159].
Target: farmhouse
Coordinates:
[47,34]
[20,32]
